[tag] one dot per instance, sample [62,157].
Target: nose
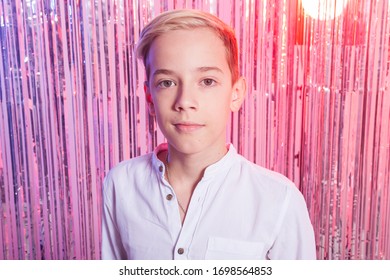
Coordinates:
[186,98]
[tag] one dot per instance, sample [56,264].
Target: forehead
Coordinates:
[180,49]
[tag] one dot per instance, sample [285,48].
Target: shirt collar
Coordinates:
[158,165]
[219,167]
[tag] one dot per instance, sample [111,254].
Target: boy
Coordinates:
[195,197]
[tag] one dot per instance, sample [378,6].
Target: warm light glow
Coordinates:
[324,9]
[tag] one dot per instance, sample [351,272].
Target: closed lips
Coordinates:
[185,126]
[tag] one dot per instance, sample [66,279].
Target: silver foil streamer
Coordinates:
[72,106]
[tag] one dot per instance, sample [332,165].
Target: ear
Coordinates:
[238,94]
[149,100]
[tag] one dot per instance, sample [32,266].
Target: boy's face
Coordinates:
[190,89]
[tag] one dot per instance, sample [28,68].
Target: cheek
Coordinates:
[160,102]
[159,112]
[219,114]
[163,110]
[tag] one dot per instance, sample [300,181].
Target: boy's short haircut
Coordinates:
[187,20]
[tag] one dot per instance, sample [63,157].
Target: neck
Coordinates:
[187,169]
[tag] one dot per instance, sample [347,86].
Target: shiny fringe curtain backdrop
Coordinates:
[72,106]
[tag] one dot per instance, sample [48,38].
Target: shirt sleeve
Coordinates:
[295,236]
[112,248]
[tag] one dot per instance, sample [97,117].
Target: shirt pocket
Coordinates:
[219,248]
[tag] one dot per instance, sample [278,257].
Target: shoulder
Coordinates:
[127,171]
[140,162]
[275,191]
[265,180]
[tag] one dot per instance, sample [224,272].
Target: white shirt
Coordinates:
[238,210]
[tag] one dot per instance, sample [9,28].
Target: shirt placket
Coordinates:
[183,245]
[183,234]
[169,198]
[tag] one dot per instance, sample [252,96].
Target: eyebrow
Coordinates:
[209,68]
[199,69]
[163,71]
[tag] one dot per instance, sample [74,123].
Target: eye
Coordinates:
[208,82]
[166,84]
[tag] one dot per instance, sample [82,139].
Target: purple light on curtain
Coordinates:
[72,106]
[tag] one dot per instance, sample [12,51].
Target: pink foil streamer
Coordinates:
[72,106]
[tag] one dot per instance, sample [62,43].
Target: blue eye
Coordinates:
[166,84]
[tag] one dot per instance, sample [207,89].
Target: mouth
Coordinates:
[188,126]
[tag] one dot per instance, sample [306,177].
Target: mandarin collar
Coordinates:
[220,166]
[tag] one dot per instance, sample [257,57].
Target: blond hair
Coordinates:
[187,20]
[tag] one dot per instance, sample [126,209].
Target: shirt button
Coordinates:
[160,168]
[180,251]
[169,197]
